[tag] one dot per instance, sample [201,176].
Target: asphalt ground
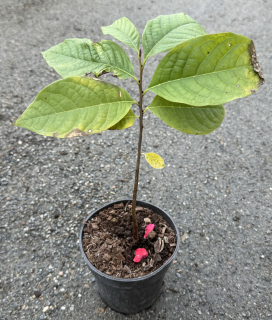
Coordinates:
[217,187]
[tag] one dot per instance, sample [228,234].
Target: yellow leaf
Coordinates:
[154,160]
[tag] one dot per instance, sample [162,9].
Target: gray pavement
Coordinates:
[217,187]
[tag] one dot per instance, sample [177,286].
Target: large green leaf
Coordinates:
[125,31]
[165,32]
[126,122]
[76,106]
[208,70]
[188,119]
[76,57]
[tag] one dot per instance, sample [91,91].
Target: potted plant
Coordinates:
[195,78]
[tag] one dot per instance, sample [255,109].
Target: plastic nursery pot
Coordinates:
[131,295]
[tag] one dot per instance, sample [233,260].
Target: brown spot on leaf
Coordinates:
[255,63]
[55,135]
[103,72]
[75,133]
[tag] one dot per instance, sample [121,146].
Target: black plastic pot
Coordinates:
[131,295]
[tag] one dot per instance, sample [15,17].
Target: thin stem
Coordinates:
[136,181]
[134,78]
[144,111]
[144,62]
[145,91]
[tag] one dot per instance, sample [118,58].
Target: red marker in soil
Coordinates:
[140,254]
[149,228]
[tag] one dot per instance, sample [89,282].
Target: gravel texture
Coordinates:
[217,187]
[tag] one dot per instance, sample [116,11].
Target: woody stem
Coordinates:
[136,181]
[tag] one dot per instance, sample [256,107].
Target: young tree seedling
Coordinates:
[195,78]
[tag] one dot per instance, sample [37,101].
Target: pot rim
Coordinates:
[133,279]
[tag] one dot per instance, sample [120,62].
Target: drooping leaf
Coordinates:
[125,31]
[165,32]
[208,70]
[76,106]
[76,57]
[154,160]
[186,118]
[126,122]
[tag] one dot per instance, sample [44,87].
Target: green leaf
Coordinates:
[208,70]
[186,118]
[76,106]
[76,57]
[125,31]
[165,32]
[154,160]
[126,122]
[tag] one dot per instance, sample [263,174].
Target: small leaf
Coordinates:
[76,57]
[125,31]
[75,106]
[208,70]
[165,32]
[186,118]
[154,160]
[126,122]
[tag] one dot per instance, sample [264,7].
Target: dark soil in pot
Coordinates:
[109,246]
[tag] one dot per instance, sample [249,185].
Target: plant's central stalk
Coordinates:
[136,181]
